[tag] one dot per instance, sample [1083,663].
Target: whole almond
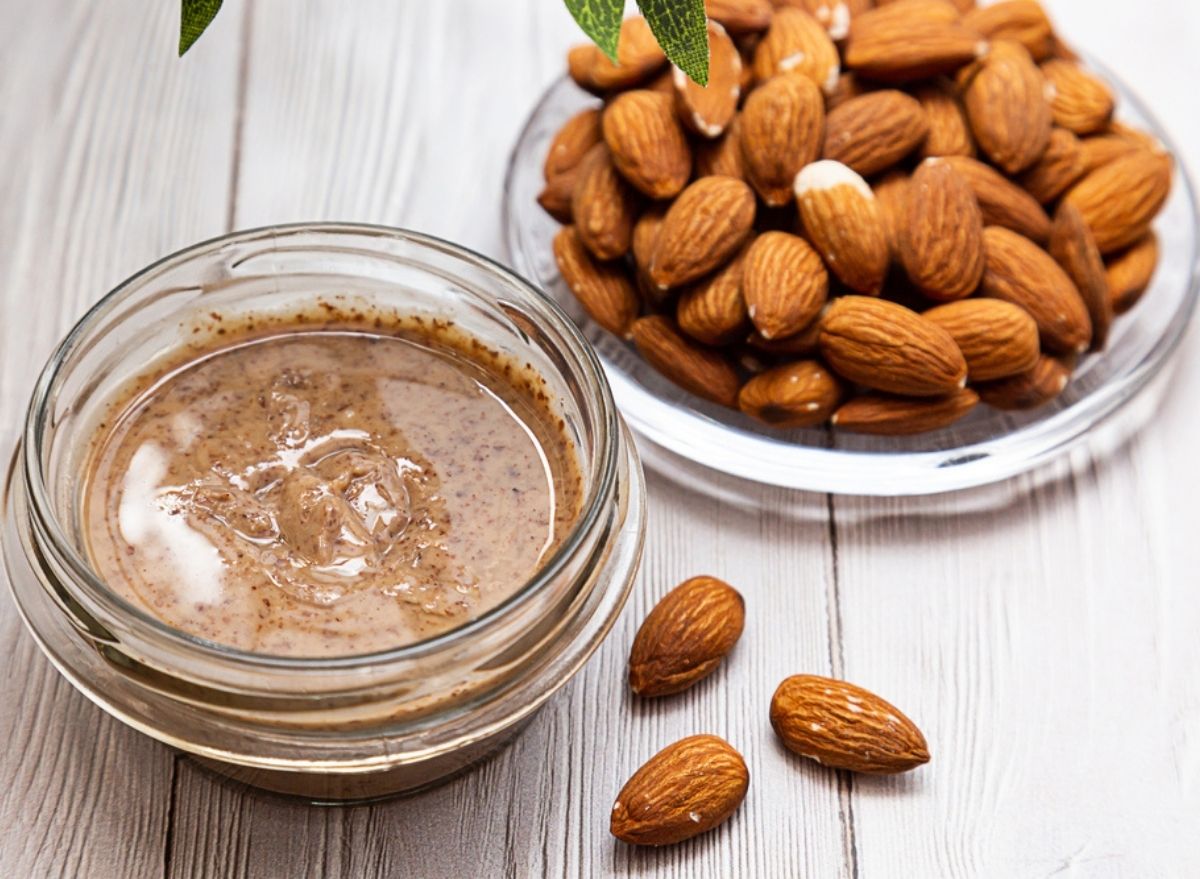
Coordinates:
[890,348]
[1129,272]
[1100,149]
[833,15]
[888,415]
[1118,200]
[1060,166]
[1020,272]
[941,238]
[844,223]
[891,191]
[702,371]
[713,311]
[874,131]
[708,110]
[645,236]
[1081,102]
[685,636]
[844,726]
[555,197]
[802,344]
[1002,202]
[740,16]
[1021,20]
[571,143]
[721,156]
[784,284]
[1027,390]
[909,40]
[1074,248]
[704,227]
[638,58]
[603,205]
[949,132]
[997,338]
[800,394]
[647,143]
[684,790]
[779,133]
[797,44]
[1006,105]
[603,289]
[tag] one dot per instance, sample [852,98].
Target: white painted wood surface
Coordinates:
[1043,633]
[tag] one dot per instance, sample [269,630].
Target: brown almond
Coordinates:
[800,394]
[638,58]
[888,415]
[949,132]
[888,347]
[997,338]
[708,110]
[555,197]
[891,191]
[1024,21]
[1006,105]
[1027,390]
[1060,166]
[685,636]
[909,40]
[694,367]
[802,344]
[874,131]
[779,133]
[833,15]
[941,238]
[1100,149]
[647,143]
[722,156]
[1074,248]
[797,44]
[1020,272]
[571,143]
[740,16]
[1002,202]
[843,726]
[1118,200]
[1130,272]
[686,789]
[784,284]
[603,289]
[603,205]
[1080,101]
[844,223]
[703,228]
[713,311]
[645,236]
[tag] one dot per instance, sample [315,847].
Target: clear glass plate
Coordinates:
[987,446]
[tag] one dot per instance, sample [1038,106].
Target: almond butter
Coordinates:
[722,156]
[997,338]
[704,227]
[800,394]
[1130,272]
[1024,21]
[1080,102]
[603,205]
[740,16]
[708,110]
[1060,166]
[890,348]
[647,143]
[784,284]
[685,636]
[949,131]
[1020,272]
[891,191]
[843,726]
[780,133]
[1119,199]
[909,40]
[889,415]
[702,371]
[686,789]
[874,131]
[844,223]
[796,44]
[941,237]
[1001,201]
[713,311]
[1006,105]
[1074,248]
[1027,390]
[603,289]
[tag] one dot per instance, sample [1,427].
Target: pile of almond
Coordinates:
[875,215]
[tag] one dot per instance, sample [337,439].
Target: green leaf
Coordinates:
[600,20]
[194,17]
[681,28]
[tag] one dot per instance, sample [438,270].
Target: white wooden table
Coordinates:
[1045,635]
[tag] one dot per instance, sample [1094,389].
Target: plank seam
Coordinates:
[243,78]
[169,838]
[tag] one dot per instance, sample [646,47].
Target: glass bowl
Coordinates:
[683,431]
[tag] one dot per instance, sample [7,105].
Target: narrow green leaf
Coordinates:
[600,20]
[194,17]
[680,26]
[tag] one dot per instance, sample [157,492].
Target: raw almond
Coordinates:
[890,348]
[949,133]
[685,637]
[887,415]
[555,197]
[1118,200]
[997,338]
[603,205]
[695,368]
[797,44]
[578,135]
[844,726]
[1001,201]
[1100,149]
[1020,272]
[713,311]
[645,236]
[909,40]
[1021,20]
[704,227]
[723,156]
[1006,105]
[874,131]
[708,110]
[684,790]
[844,223]
[1081,102]
[891,191]
[603,289]
[784,284]
[833,15]
[647,143]
[1060,166]
[941,237]
[1028,390]
[638,58]
[801,344]
[780,133]
[740,16]
[1074,248]
[1129,272]
[800,394]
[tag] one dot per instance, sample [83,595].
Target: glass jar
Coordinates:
[348,727]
